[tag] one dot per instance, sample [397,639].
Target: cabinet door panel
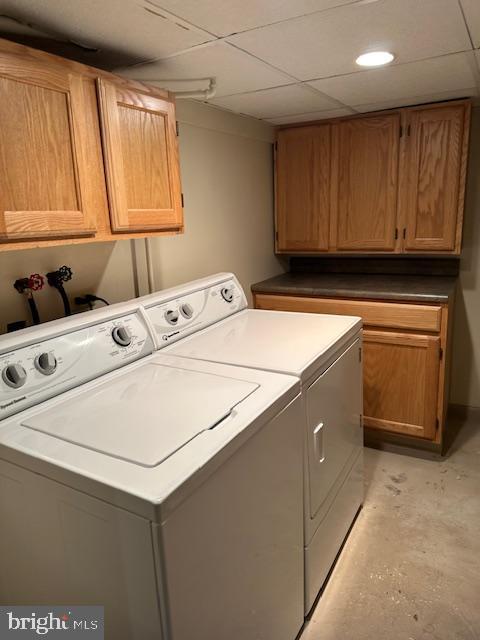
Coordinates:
[43,153]
[401,377]
[303,188]
[140,144]
[365,183]
[435,166]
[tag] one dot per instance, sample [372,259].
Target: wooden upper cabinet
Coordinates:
[303,188]
[46,187]
[390,182]
[365,183]
[141,158]
[435,166]
[401,382]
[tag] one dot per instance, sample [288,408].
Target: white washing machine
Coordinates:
[208,320]
[166,489]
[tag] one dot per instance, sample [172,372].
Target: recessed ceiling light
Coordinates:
[375,58]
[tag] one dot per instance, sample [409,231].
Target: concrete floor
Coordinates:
[411,567]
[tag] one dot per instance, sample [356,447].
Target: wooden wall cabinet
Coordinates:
[364,182]
[45,162]
[54,169]
[392,182]
[141,158]
[434,169]
[405,363]
[303,187]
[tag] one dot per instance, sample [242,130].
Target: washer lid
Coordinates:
[145,415]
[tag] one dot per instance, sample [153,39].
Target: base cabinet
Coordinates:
[405,360]
[400,378]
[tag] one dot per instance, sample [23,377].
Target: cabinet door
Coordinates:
[435,169]
[365,182]
[401,382]
[45,144]
[303,188]
[141,158]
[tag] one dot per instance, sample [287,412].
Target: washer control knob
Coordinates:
[171,316]
[227,294]
[46,363]
[186,310]
[121,335]
[14,375]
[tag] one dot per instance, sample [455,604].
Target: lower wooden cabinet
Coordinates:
[405,361]
[400,375]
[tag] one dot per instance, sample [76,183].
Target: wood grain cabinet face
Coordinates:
[141,159]
[44,152]
[401,382]
[435,166]
[365,183]
[303,188]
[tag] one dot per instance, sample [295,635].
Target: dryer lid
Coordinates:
[145,415]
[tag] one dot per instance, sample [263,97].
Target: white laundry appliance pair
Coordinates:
[325,353]
[168,486]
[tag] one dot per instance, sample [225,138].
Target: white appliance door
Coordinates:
[334,414]
[145,415]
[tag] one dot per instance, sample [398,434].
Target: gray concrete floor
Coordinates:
[411,567]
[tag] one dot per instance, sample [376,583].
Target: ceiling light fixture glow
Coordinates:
[375,58]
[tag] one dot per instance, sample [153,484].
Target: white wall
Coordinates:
[226,164]
[227,179]
[466,337]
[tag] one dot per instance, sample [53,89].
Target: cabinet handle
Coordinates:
[318,442]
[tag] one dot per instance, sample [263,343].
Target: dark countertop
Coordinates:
[406,288]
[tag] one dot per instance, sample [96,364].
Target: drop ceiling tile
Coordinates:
[471,9]
[134,27]
[312,116]
[225,17]
[280,101]
[326,44]
[467,92]
[447,73]
[234,70]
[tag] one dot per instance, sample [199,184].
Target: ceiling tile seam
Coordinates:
[467,26]
[392,66]
[306,113]
[292,18]
[201,45]
[173,17]
[413,98]
[337,103]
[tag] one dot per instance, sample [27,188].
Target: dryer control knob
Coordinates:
[171,316]
[121,335]
[46,363]
[14,375]
[227,294]
[186,310]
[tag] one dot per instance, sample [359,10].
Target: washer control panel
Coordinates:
[177,317]
[41,370]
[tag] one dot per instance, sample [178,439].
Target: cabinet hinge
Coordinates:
[440,353]
[401,131]
[409,130]
[182,201]
[176,126]
[404,234]
[396,234]
[360,354]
